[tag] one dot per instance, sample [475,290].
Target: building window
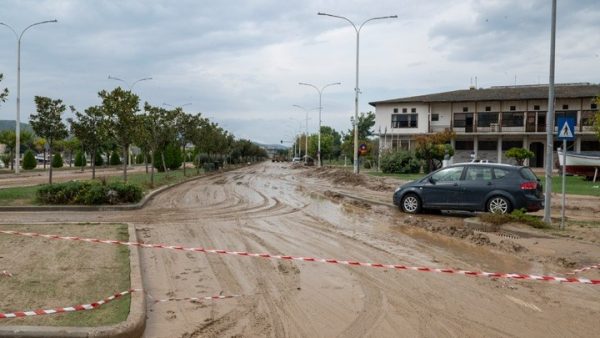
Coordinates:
[565,106]
[404,121]
[484,119]
[536,107]
[513,107]
[512,119]
[413,110]
[395,110]
[511,144]
[487,145]
[488,108]
[594,106]
[404,110]
[463,145]
[435,117]
[461,120]
[465,109]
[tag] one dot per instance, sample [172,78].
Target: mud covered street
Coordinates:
[274,208]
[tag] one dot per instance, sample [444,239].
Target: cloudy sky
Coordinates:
[239,62]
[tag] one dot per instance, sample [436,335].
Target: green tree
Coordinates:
[120,107]
[336,146]
[47,122]
[114,158]
[159,130]
[187,126]
[171,155]
[70,146]
[80,160]
[432,149]
[90,127]
[29,161]
[57,161]
[519,154]
[366,122]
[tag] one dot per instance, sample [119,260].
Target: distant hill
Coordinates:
[10,125]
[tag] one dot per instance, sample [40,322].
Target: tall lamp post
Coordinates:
[130,89]
[320,91]
[305,133]
[18,121]
[356,89]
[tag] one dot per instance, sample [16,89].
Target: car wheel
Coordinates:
[499,205]
[411,204]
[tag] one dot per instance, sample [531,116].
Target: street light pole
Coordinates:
[18,121]
[130,89]
[356,89]
[550,122]
[305,133]
[320,91]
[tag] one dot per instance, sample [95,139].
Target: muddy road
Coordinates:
[274,208]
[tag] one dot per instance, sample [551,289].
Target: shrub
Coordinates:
[98,161]
[29,161]
[139,159]
[80,159]
[5,159]
[114,158]
[90,193]
[173,158]
[57,161]
[519,154]
[399,162]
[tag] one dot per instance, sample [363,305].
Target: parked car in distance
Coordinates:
[296,160]
[491,187]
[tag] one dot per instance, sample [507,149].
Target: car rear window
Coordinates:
[500,173]
[528,174]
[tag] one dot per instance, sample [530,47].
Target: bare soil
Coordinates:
[275,208]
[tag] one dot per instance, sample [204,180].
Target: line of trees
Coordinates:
[118,123]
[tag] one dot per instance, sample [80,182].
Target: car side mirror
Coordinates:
[431,180]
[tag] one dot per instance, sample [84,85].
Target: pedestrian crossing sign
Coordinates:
[566,128]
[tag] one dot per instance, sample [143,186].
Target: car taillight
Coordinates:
[529,186]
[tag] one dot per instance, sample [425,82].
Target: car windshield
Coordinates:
[528,174]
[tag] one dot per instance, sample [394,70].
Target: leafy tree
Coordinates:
[47,122]
[120,107]
[4,92]
[8,138]
[159,126]
[90,127]
[80,160]
[336,146]
[519,154]
[171,156]
[29,161]
[114,158]
[98,161]
[187,126]
[57,161]
[432,149]
[70,146]
[366,122]
[39,143]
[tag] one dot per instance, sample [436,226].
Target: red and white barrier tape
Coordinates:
[319,260]
[584,269]
[81,307]
[99,303]
[6,273]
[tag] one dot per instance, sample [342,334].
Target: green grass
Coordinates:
[574,185]
[404,177]
[16,196]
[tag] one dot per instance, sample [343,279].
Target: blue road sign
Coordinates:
[566,128]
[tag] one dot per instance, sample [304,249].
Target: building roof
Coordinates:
[504,93]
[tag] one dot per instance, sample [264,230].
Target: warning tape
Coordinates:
[584,269]
[6,273]
[99,303]
[319,260]
[81,307]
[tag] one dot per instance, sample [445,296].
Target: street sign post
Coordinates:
[566,132]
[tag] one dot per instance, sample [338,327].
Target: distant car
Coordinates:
[491,187]
[296,160]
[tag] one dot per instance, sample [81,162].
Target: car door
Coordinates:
[475,186]
[442,188]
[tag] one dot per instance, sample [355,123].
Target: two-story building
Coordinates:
[489,121]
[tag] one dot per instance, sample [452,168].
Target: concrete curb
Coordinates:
[134,326]
[120,207]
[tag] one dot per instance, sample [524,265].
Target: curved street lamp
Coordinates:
[130,89]
[320,91]
[18,121]
[356,89]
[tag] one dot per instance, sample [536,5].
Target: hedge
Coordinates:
[89,193]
